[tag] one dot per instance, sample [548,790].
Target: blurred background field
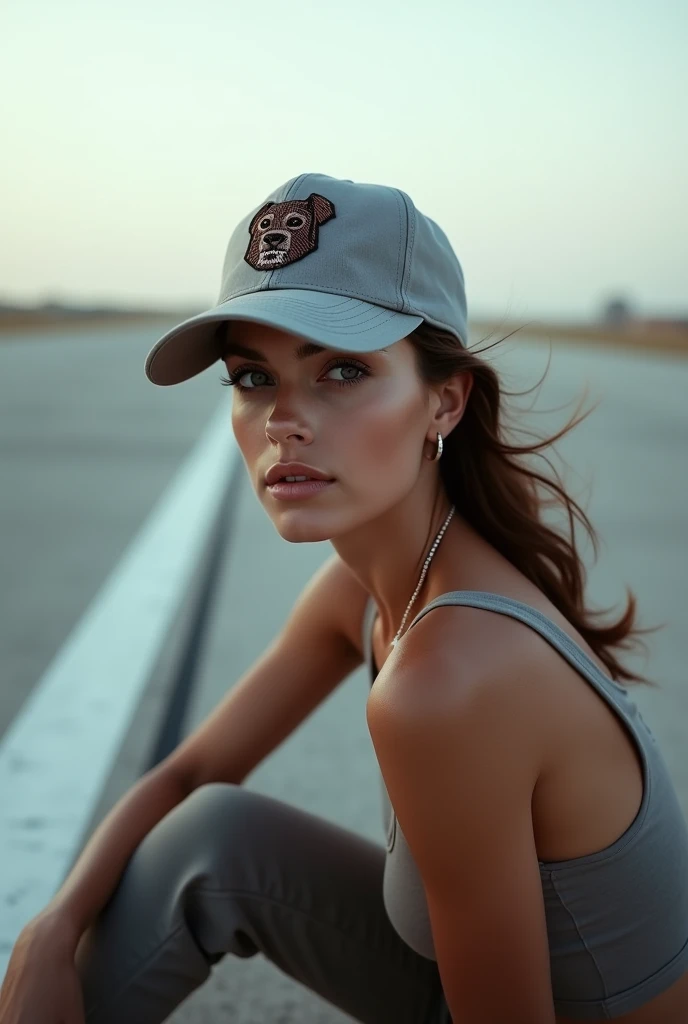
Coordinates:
[653,334]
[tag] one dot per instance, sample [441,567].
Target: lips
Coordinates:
[280,470]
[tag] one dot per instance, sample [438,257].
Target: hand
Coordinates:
[41,985]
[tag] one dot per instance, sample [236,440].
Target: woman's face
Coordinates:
[360,418]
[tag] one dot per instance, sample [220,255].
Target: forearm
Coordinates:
[97,871]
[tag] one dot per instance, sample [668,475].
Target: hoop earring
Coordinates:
[440,446]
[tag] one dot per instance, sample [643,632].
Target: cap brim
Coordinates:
[334,321]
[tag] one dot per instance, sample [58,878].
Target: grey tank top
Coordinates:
[617,920]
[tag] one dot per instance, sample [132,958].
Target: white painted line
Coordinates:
[58,753]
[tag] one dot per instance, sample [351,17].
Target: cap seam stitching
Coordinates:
[397,282]
[411,235]
[409,311]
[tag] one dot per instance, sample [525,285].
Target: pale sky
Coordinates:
[548,139]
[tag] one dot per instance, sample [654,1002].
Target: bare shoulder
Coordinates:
[341,598]
[461,651]
[448,714]
[459,663]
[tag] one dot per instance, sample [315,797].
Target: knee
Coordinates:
[209,813]
[212,798]
[225,810]
[209,837]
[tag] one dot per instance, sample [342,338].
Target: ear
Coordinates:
[258,216]
[448,403]
[322,208]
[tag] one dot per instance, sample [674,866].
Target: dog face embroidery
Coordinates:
[282,233]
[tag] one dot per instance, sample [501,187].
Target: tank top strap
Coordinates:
[532,617]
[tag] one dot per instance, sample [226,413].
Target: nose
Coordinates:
[283,432]
[285,425]
[275,237]
[289,414]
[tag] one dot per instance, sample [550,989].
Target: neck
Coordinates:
[387,554]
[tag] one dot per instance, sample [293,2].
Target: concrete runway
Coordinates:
[88,445]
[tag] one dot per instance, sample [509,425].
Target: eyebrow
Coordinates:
[306,349]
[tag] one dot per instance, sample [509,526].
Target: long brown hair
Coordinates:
[493,486]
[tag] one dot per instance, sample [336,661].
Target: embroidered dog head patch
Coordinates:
[282,233]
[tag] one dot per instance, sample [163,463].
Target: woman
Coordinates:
[536,862]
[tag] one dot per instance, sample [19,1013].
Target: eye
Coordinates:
[352,373]
[265,222]
[238,375]
[295,220]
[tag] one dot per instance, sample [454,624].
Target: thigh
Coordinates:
[232,871]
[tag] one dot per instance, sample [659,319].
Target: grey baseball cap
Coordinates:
[348,265]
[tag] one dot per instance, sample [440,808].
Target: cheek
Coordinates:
[374,435]
[247,431]
[384,437]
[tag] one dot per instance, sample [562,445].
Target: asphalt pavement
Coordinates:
[88,446]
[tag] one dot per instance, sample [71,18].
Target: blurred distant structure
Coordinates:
[659,332]
[617,311]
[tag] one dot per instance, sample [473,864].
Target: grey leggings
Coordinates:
[232,871]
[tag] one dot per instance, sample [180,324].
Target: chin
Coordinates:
[301,527]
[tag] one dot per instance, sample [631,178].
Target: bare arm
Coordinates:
[99,867]
[316,649]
